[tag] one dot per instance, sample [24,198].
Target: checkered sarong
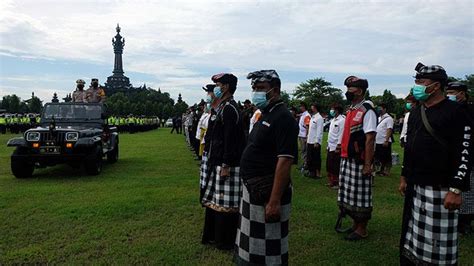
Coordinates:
[467,206]
[203,174]
[222,194]
[432,235]
[258,242]
[355,190]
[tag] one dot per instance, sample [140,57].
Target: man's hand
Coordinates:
[317,145]
[338,148]
[452,201]
[225,171]
[367,169]
[403,185]
[272,212]
[385,144]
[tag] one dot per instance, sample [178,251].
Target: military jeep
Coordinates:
[72,133]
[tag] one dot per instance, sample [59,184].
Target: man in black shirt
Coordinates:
[457,91]
[434,172]
[225,149]
[262,236]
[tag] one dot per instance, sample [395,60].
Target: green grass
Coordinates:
[144,210]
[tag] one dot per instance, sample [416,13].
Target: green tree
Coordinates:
[35,105]
[318,91]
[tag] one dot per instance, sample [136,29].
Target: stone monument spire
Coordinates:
[118,43]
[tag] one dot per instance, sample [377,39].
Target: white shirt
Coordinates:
[303,131]
[336,127]
[315,133]
[202,124]
[254,119]
[370,122]
[403,135]
[385,122]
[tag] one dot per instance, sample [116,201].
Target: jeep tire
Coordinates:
[21,167]
[93,162]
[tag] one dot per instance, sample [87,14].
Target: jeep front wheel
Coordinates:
[112,156]
[93,163]
[20,166]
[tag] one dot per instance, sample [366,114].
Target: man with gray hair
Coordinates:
[262,235]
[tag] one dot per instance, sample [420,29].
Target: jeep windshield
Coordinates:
[72,111]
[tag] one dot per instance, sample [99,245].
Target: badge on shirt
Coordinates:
[358,116]
[213,117]
[265,123]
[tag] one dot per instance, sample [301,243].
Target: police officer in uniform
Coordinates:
[3,124]
[79,95]
[95,94]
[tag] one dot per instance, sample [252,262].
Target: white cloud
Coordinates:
[178,41]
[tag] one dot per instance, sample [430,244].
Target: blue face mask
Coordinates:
[452,97]
[259,98]
[408,106]
[218,92]
[419,92]
[332,113]
[208,107]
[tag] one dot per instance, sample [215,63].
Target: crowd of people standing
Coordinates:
[247,153]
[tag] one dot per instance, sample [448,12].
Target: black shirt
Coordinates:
[275,135]
[426,161]
[227,135]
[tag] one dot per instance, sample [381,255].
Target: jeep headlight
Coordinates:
[32,136]
[72,136]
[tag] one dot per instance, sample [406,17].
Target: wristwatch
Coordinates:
[455,190]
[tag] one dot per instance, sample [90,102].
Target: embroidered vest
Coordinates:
[353,137]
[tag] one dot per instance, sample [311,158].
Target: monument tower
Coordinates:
[118,81]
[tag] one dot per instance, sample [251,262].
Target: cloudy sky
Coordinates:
[177,45]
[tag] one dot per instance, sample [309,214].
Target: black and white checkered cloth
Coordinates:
[223,194]
[432,235]
[467,206]
[203,175]
[355,190]
[262,76]
[258,242]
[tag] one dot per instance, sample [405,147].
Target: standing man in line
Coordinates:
[79,95]
[435,171]
[303,124]
[383,141]
[457,91]
[314,141]
[357,153]
[226,145]
[410,104]
[272,147]
[333,159]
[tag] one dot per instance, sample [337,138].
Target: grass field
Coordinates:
[145,210]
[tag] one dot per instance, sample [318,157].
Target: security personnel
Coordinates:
[79,95]
[435,171]
[95,94]
[457,91]
[3,124]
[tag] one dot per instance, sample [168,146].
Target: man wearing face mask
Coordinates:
[333,159]
[457,91]
[357,152]
[383,141]
[226,145]
[272,147]
[79,95]
[410,104]
[435,171]
[95,94]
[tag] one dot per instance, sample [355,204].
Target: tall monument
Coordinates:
[118,81]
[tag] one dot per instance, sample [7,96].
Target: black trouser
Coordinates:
[220,227]
[3,129]
[313,157]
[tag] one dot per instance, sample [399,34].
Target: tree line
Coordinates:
[151,102]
